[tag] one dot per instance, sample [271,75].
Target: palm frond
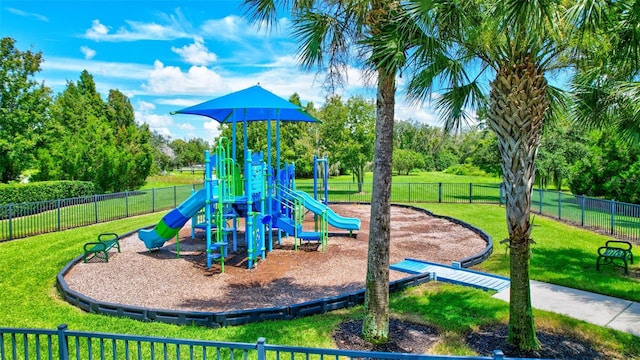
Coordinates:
[454,105]
[263,12]
[559,101]
[325,41]
[601,101]
[534,17]
[628,94]
[628,33]
[588,16]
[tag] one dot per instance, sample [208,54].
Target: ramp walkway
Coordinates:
[454,275]
[597,309]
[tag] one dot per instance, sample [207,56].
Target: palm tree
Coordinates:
[512,46]
[332,34]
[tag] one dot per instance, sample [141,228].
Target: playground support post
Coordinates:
[207,209]
[248,232]
[324,162]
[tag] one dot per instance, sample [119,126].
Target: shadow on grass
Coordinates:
[451,307]
[576,268]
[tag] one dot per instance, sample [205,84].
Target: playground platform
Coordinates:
[454,275]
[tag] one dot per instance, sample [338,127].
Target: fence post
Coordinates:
[470,193]
[409,192]
[582,210]
[349,191]
[126,203]
[10,221]
[175,200]
[613,215]
[559,205]
[153,200]
[95,206]
[261,350]
[540,193]
[439,192]
[63,350]
[501,193]
[59,220]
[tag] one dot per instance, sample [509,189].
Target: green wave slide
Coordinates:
[170,224]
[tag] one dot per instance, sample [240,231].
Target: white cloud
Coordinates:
[28,14]
[157,123]
[146,106]
[144,114]
[136,30]
[196,53]
[187,127]
[286,61]
[198,80]
[213,128]
[180,101]
[422,114]
[97,31]
[236,28]
[111,69]
[88,52]
[229,28]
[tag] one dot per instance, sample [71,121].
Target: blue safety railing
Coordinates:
[618,219]
[65,344]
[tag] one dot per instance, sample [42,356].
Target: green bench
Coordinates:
[100,248]
[615,252]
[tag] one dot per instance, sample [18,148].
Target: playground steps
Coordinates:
[309,235]
[217,251]
[287,225]
[453,275]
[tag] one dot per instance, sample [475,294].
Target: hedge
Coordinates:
[44,191]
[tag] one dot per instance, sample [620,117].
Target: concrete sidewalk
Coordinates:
[623,315]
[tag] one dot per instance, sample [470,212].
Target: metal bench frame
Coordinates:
[100,248]
[615,250]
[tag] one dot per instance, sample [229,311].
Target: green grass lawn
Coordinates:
[172,179]
[416,177]
[563,255]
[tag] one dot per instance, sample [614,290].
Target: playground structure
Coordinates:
[261,192]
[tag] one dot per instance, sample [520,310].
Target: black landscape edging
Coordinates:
[217,319]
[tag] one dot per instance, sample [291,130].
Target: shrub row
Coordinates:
[44,191]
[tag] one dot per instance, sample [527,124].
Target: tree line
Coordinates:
[76,135]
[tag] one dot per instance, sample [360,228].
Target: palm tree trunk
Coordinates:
[516,114]
[375,327]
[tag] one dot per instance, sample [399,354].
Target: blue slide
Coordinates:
[335,220]
[169,226]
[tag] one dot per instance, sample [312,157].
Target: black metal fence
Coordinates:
[65,344]
[618,219]
[28,219]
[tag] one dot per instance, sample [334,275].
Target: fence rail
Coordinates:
[34,218]
[65,344]
[621,220]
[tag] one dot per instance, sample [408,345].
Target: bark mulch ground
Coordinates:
[162,280]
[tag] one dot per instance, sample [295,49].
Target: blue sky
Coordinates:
[166,55]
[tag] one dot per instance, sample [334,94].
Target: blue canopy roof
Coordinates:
[251,104]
